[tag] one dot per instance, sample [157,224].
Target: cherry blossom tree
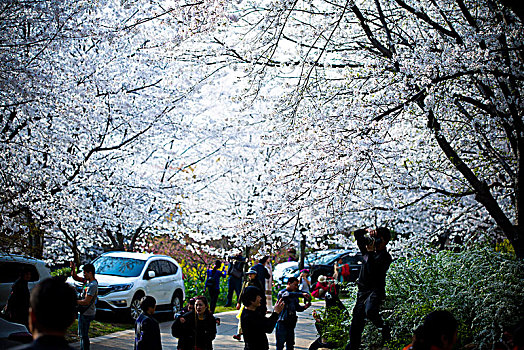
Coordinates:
[89,109]
[405,113]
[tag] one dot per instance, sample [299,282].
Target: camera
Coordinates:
[372,240]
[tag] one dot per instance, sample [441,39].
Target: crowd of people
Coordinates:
[52,306]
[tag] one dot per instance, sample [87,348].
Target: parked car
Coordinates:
[325,265]
[284,270]
[324,262]
[13,334]
[10,268]
[124,278]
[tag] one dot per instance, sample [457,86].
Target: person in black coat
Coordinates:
[262,272]
[17,307]
[53,310]
[371,284]
[198,327]
[147,329]
[255,325]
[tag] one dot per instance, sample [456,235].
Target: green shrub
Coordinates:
[63,272]
[484,290]
[481,287]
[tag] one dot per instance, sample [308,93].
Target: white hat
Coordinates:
[322,278]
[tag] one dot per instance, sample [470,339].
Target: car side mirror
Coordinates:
[151,274]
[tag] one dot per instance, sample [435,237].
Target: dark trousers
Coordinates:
[285,333]
[367,306]
[234,285]
[213,294]
[83,330]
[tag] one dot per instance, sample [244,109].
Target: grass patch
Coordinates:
[220,308]
[96,329]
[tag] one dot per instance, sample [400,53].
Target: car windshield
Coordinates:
[327,259]
[116,266]
[313,258]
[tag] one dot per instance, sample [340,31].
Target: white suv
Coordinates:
[124,278]
[10,268]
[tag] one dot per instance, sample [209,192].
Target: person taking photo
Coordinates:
[371,284]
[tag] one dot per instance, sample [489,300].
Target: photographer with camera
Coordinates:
[287,321]
[371,284]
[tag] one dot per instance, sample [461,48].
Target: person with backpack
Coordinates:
[235,271]
[212,284]
[341,271]
[287,320]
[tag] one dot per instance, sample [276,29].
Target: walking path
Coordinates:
[305,334]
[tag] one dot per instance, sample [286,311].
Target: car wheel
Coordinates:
[176,303]
[134,308]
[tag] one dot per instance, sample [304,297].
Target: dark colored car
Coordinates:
[325,264]
[13,334]
[324,261]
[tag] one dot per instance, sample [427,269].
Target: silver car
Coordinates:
[10,268]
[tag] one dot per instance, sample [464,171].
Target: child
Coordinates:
[147,330]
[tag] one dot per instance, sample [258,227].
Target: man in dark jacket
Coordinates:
[287,321]
[53,310]
[17,307]
[262,272]
[235,272]
[254,325]
[147,330]
[371,284]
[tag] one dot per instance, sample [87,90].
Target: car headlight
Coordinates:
[122,287]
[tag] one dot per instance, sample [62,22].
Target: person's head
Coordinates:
[292,284]
[201,305]
[89,271]
[218,263]
[438,330]
[191,304]
[25,274]
[385,235]
[52,307]
[322,279]
[251,274]
[264,260]
[305,272]
[251,297]
[291,251]
[148,304]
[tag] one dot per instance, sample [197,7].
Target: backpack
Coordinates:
[236,269]
[345,271]
[210,283]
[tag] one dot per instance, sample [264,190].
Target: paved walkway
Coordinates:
[305,334]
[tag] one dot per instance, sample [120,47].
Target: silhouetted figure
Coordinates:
[438,332]
[17,307]
[254,325]
[371,284]
[235,272]
[147,330]
[213,284]
[53,310]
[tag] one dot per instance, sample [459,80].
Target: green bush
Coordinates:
[484,290]
[63,272]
